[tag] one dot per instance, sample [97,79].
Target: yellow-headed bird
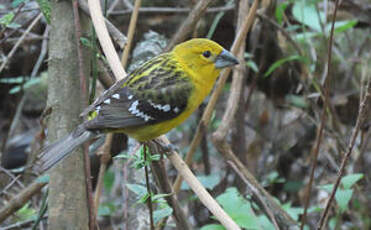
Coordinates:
[152,99]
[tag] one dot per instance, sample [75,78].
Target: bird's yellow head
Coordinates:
[203,58]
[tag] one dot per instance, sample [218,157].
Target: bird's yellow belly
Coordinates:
[149,132]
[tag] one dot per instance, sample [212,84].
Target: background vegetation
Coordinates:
[291,123]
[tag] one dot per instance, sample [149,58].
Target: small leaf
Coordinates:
[343,197]
[281,61]
[341,26]
[326,187]
[106,209]
[108,180]
[26,213]
[306,13]
[43,178]
[86,42]
[45,9]
[280,10]
[209,181]
[213,227]
[162,213]
[144,198]
[16,3]
[160,196]
[15,80]
[7,19]
[137,189]
[28,84]
[252,65]
[238,208]
[297,101]
[349,180]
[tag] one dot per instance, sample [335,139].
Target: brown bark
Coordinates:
[67,193]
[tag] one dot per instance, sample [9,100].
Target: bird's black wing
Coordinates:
[160,93]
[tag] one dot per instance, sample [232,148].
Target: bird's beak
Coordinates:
[225,59]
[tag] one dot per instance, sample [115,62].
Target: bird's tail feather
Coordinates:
[55,152]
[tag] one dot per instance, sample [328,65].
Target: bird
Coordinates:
[154,98]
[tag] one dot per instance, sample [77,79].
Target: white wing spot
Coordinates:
[97,109]
[117,96]
[107,101]
[130,97]
[133,109]
[176,110]
[165,108]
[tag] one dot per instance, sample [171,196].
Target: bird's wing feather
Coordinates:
[159,94]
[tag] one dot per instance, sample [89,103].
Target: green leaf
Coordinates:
[144,198]
[16,3]
[213,227]
[28,84]
[265,223]
[306,13]
[162,213]
[294,212]
[208,181]
[45,9]
[293,186]
[349,180]
[43,178]
[15,80]
[326,187]
[238,208]
[137,189]
[343,197]
[281,61]
[251,64]
[108,180]
[86,42]
[297,101]
[280,10]
[7,19]
[160,196]
[26,213]
[106,209]
[341,26]
[216,21]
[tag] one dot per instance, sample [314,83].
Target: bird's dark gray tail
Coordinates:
[55,152]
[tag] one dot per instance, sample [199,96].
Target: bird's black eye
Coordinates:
[206,54]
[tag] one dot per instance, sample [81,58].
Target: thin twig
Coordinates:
[18,201]
[132,25]
[15,47]
[106,148]
[167,10]
[149,192]
[105,152]
[44,49]
[84,98]
[363,109]
[195,185]
[188,24]
[162,181]
[117,36]
[10,184]
[22,224]
[105,40]
[323,120]
[240,37]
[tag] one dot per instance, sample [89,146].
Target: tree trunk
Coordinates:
[67,206]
